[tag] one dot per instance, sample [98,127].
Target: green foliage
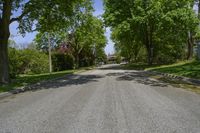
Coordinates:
[62,62]
[42,15]
[42,40]
[83,38]
[38,62]
[13,62]
[27,61]
[50,16]
[87,34]
[160,27]
[118,59]
[187,69]
[23,80]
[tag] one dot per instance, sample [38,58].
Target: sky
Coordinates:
[29,37]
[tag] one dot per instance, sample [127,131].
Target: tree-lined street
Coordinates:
[99,66]
[106,100]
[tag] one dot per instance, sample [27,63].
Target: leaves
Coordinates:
[151,24]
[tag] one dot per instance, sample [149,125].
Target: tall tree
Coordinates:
[86,31]
[44,13]
[151,22]
[83,37]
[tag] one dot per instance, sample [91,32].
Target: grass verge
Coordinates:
[190,69]
[24,80]
[178,83]
[138,66]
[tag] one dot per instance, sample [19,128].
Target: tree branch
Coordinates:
[21,16]
[18,18]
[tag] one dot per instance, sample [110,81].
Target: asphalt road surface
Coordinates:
[108,100]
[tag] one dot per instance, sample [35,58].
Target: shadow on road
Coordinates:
[65,81]
[139,77]
[112,67]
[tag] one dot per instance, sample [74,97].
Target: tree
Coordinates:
[86,32]
[88,38]
[125,43]
[26,61]
[149,22]
[50,14]
[41,40]
[83,37]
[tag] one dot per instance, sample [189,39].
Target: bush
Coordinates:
[39,63]
[27,62]
[62,62]
[14,64]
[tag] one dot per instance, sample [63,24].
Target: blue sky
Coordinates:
[98,6]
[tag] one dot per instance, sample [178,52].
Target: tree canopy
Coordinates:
[157,25]
[83,37]
[45,15]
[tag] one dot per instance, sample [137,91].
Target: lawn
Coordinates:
[138,66]
[189,69]
[24,80]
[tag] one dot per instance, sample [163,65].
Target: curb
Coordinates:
[185,79]
[31,86]
[5,94]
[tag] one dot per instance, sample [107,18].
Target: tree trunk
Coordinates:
[199,9]
[190,40]
[50,59]
[149,45]
[77,61]
[190,46]
[149,54]
[4,36]
[4,68]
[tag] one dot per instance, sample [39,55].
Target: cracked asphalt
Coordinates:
[106,100]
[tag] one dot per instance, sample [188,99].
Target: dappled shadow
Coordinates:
[190,69]
[65,81]
[114,74]
[112,67]
[141,77]
[194,81]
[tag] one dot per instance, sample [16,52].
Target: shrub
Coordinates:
[27,61]
[62,62]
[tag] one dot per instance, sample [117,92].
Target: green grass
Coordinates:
[138,66]
[24,80]
[189,69]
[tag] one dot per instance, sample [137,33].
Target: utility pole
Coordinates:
[50,61]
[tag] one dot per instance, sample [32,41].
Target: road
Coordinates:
[107,100]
